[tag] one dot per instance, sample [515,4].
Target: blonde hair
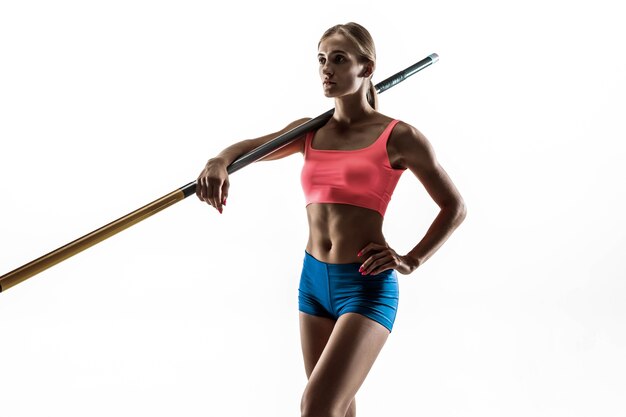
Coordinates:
[364,44]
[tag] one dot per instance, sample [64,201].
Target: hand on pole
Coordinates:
[212,183]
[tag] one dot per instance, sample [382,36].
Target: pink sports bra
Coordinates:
[360,177]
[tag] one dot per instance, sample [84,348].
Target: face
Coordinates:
[340,69]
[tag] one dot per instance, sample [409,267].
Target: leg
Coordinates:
[350,352]
[314,333]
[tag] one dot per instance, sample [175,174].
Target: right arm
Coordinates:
[212,184]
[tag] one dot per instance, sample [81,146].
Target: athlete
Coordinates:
[348,290]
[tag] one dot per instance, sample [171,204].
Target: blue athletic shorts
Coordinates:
[330,290]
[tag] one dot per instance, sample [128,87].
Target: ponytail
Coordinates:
[372,96]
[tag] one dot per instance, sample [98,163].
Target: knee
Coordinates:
[317,406]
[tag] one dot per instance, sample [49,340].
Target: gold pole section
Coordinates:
[46,261]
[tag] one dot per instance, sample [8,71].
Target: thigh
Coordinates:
[314,333]
[375,296]
[350,352]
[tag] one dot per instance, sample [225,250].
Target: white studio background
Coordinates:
[106,106]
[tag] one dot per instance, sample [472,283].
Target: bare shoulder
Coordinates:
[297,123]
[410,148]
[297,144]
[416,153]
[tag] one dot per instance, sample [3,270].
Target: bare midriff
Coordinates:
[337,232]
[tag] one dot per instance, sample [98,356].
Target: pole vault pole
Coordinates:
[58,255]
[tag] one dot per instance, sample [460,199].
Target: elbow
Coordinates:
[460,212]
[457,211]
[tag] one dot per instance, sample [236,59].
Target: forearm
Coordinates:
[448,219]
[230,154]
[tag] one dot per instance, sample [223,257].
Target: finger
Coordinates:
[373,261]
[205,191]
[209,194]
[369,247]
[201,189]
[198,186]
[382,268]
[216,190]
[383,260]
[219,200]
[224,194]
[225,188]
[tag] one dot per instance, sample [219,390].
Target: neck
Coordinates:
[351,109]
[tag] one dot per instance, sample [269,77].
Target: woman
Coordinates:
[348,292]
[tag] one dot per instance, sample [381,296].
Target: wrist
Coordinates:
[216,160]
[412,261]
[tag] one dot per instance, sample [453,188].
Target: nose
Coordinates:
[326,69]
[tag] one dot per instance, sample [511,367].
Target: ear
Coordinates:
[368,69]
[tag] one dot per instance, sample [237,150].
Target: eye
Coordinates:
[321,60]
[339,59]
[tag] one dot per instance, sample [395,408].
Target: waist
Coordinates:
[337,232]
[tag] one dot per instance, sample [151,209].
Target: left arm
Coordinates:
[415,152]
